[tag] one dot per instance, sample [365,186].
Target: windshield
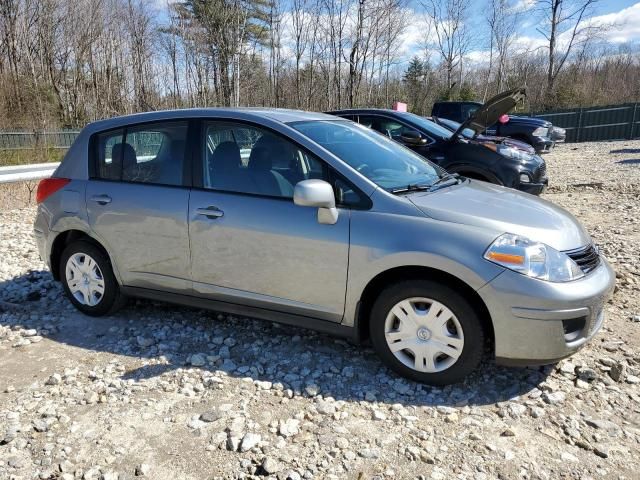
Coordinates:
[454,126]
[428,126]
[375,156]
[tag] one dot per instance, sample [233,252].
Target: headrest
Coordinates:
[125,152]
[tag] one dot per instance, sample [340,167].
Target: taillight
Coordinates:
[48,187]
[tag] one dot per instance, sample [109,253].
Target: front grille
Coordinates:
[587,257]
[540,173]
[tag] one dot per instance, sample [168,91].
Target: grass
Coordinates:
[31,155]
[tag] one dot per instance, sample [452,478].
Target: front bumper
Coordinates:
[543,144]
[537,322]
[534,188]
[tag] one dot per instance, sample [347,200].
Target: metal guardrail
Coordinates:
[24,173]
[609,122]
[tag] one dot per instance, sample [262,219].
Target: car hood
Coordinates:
[492,110]
[504,210]
[529,121]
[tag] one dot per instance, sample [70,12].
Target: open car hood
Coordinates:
[492,110]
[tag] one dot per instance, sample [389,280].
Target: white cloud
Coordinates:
[626,24]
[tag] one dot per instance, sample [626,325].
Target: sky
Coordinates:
[624,14]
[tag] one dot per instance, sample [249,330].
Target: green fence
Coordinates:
[590,124]
[29,140]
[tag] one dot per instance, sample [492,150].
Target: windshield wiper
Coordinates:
[445,180]
[412,188]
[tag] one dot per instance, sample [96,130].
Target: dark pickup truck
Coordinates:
[538,133]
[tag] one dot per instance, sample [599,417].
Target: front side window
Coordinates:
[246,159]
[380,159]
[150,153]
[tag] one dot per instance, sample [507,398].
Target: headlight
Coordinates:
[532,259]
[524,178]
[540,132]
[508,152]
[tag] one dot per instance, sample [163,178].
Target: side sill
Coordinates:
[324,326]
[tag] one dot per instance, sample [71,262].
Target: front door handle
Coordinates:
[101,199]
[210,212]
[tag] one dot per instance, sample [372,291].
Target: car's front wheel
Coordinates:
[427,332]
[88,279]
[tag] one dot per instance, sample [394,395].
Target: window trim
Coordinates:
[198,163]
[187,163]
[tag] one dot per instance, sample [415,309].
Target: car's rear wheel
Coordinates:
[427,332]
[88,279]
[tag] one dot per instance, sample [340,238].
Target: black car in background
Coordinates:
[487,161]
[538,133]
[454,126]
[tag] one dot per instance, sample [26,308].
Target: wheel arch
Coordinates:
[403,273]
[473,172]
[65,238]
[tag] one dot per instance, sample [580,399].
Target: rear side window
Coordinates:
[108,167]
[151,153]
[449,110]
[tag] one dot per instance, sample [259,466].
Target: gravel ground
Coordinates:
[165,392]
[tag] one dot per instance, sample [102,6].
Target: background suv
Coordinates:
[538,133]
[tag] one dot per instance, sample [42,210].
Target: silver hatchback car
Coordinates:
[315,221]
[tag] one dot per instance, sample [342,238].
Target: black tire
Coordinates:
[112,299]
[474,335]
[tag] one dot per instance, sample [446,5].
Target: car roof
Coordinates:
[247,113]
[355,111]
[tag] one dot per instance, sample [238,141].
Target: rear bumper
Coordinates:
[537,322]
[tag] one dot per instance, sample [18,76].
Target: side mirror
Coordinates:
[413,137]
[319,194]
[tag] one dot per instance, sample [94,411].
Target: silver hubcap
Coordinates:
[424,334]
[84,279]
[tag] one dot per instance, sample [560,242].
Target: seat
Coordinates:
[126,156]
[266,180]
[225,168]
[170,161]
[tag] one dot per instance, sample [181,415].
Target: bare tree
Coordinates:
[449,19]
[566,28]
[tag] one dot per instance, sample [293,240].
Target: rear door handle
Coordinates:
[101,199]
[210,212]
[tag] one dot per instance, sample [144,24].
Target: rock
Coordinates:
[233,443]
[312,389]
[40,425]
[508,433]
[567,457]
[554,398]
[292,475]
[198,360]
[110,475]
[601,450]
[145,342]
[249,441]
[142,470]
[210,416]
[55,379]
[326,408]
[633,379]
[289,427]
[617,372]
[369,453]
[378,415]
[270,466]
